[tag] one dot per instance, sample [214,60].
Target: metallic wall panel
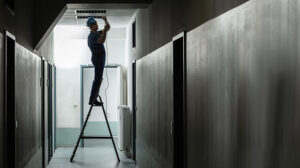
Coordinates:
[1,100]
[53,108]
[28,106]
[46,104]
[243,88]
[154,84]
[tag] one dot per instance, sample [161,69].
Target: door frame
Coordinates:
[54,105]
[82,67]
[42,82]
[50,112]
[134,109]
[179,100]
[9,104]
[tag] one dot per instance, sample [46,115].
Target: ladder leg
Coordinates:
[112,139]
[81,133]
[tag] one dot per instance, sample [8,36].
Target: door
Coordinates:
[50,113]
[10,110]
[42,81]
[54,107]
[46,112]
[134,110]
[179,82]
[110,92]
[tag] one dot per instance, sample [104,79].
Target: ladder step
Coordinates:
[96,137]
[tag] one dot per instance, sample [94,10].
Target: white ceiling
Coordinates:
[117,17]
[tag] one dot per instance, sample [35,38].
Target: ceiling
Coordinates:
[117,17]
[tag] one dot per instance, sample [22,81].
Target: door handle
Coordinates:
[172,127]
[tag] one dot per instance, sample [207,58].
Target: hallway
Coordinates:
[183,83]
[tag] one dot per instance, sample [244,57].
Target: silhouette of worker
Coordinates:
[95,42]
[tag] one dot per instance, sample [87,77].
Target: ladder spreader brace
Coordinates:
[94,137]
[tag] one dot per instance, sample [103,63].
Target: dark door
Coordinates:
[179,58]
[45,70]
[10,110]
[134,109]
[43,110]
[50,125]
[54,108]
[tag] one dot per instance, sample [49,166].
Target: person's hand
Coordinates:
[104,18]
[107,27]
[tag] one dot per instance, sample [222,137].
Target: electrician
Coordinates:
[96,40]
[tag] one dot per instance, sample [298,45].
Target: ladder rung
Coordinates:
[95,137]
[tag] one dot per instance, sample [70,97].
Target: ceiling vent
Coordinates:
[85,17]
[91,11]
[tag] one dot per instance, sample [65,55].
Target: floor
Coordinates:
[95,154]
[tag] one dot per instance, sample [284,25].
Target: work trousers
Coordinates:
[98,61]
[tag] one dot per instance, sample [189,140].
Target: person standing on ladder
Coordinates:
[96,40]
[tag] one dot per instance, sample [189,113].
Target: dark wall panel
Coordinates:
[243,88]
[21,24]
[1,13]
[155,109]
[28,107]
[1,100]
[164,19]
[46,111]
[24,23]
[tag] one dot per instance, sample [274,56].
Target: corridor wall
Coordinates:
[1,100]
[157,24]
[154,81]
[47,48]
[28,109]
[243,88]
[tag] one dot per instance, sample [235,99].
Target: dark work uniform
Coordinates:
[98,60]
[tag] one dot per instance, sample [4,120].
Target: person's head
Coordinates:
[92,24]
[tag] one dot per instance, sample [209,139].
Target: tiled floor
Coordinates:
[100,155]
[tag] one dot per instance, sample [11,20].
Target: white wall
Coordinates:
[109,92]
[71,51]
[47,48]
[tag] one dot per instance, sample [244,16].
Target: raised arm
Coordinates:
[102,36]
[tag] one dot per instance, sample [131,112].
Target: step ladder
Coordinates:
[81,136]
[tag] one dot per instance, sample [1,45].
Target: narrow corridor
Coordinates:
[184,83]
